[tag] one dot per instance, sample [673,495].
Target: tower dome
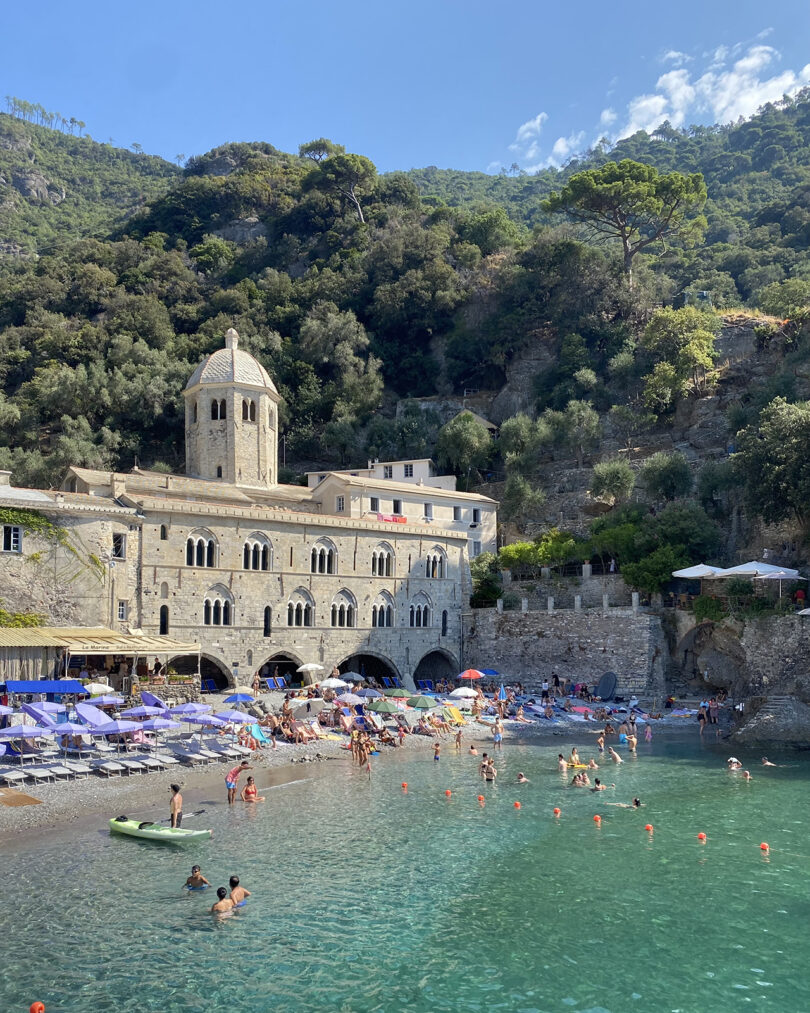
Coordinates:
[232,419]
[231,364]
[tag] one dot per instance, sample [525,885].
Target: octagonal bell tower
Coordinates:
[232,419]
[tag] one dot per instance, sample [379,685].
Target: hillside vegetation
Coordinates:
[357,291]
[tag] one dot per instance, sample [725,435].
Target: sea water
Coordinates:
[368,897]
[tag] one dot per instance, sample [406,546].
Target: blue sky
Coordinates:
[455,83]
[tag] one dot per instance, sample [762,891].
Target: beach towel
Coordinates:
[258,734]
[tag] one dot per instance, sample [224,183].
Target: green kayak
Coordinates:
[155,832]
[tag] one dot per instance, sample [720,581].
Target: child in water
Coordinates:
[239,894]
[196,881]
[223,904]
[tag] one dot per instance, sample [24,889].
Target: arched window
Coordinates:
[323,557]
[270,417]
[215,409]
[250,659]
[194,412]
[244,410]
[219,471]
[344,609]
[268,621]
[164,590]
[300,608]
[201,549]
[252,411]
[164,620]
[436,563]
[257,553]
[382,610]
[248,410]
[218,607]
[163,533]
[382,561]
[223,410]
[419,612]
[444,623]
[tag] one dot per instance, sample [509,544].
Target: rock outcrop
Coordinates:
[781,721]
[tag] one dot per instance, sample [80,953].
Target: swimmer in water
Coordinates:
[635,804]
[562,766]
[224,904]
[473,750]
[238,893]
[522,779]
[600,741]
[598,786]
[592,764]
[614,755]
[767,763]
[574,758]
[196,881]
[746,775]
[733,763]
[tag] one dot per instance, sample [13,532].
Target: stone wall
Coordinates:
[564,590]
[579,646]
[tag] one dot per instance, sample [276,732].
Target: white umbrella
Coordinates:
[463,692]
[332,683]
[97,688]
[350,699]
[310,666]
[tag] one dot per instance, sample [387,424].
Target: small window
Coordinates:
[456,513]
[12,538]
[428,511]
[374,504]
[163,533]
[215,409]
[388,471]
[164,620]
[223,411]
[321,478]
[194,412]
[397,506]
[476,516]
[408,471]
[268,621]
[476,549]
[340,504]
[119,547]
[219,471]
[122,611]
[444,623]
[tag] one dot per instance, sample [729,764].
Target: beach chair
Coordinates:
[12,777]
[303,727]
[271,685]
[373,722]
[397,682]
[107,768]
[132,766]
[166,760]
[152,763]
[79,770]
[61,772]
[223,749]
[184,756]
[281,682]
[41,774]
[208,686]
[387,683]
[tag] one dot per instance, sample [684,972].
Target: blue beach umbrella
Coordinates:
[159,725]
[190,708]
[107,701]
[239,698]
[369,693]
[24,732]
[501,693]
[153,701]
[234,717]
[141,712]
[488,671]
[69,728]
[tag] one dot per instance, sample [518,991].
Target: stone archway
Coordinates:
[711,656]
[371,665]
[281,663]
[436,664]
[211,669]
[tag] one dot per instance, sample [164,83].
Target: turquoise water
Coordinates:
[369,898]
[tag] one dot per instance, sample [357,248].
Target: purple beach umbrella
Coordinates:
[142,712]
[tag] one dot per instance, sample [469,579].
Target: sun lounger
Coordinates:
[281,682]
[132,766]
[208,686]
[152,763]
[192,759]
[60,771]
[108,768]
[374,722]
[12,776]
[78,769]
[166,759]
[224,749]
[40,774]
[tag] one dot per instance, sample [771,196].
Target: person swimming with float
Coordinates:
[196,881]
[635,804]
[224,905]
[239,894]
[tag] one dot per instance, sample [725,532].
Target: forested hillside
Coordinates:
[357,291]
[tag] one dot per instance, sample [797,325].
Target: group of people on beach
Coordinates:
[250,793]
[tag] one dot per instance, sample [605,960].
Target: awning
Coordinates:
[696,572]
[94,640]
[44,686]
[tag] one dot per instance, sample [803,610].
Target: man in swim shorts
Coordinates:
[176,805]
[223,904]
[196,881]
[232,779]
[614,755]
[562,766]
[238,893]
[600,741]
[437,749]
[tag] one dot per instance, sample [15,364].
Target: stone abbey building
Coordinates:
[366,570]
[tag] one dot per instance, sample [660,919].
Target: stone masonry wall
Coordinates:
[579,646]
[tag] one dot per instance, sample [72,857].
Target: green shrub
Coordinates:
[707,608]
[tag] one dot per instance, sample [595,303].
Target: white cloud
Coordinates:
[676,57]
[607,117]
[764,33]
[724,92]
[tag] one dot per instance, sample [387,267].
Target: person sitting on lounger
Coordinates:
[250,793]
[385,736]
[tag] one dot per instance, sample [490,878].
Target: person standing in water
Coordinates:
[224,904]
[176,805]
[232,779]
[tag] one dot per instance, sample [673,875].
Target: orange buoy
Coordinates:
[405,785]
[649,827]
[764,847]
[517,805]
[701,837]
[556,810]
[480,798]
[36,1007]
[447,792]
[597,819]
